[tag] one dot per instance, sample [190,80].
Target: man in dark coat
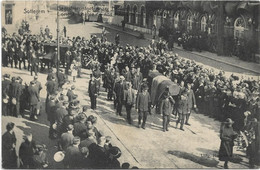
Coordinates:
[66,139]
[26,152]
[9,157]
[73,155]
[98,154]
[182,109]
[119,92]
[143,105]
[34,99]
[117,39]
[5,94]
[93,92]
[80,128]
[13,94]
[60,113]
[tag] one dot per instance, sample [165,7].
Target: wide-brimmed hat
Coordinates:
[229,121]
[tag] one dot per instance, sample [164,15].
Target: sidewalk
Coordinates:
[232,61]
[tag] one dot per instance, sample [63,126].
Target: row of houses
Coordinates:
[237,20]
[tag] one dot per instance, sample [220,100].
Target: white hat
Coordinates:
[59,156]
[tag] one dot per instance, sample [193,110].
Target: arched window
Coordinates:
[203,23]
[189,22]
[128,14]
[239,27]
[176,19]
[142,16]
[134,14]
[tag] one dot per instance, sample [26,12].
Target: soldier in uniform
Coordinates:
[13,94]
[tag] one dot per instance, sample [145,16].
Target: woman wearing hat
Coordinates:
[227,136]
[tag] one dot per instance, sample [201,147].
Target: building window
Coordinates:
[176,18]
[189,22]
[128,14]
[134,14]
[239,27]
[8,14]
[203,24]
[142,18]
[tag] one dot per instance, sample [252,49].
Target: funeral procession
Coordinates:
[121,84]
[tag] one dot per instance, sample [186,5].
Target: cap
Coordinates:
[229,121]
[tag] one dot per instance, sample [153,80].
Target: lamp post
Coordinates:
[58,39]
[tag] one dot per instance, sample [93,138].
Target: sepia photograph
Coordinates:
[127,84]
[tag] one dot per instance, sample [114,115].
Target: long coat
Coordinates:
[8,151]
[34,94]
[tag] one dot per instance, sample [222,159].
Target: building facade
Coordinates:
[13,12]
[230,25]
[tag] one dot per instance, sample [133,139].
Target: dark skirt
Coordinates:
[226,151]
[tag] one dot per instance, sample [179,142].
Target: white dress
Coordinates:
[73,68]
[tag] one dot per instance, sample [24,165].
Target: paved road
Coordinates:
[196,147]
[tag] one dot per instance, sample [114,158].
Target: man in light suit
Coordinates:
[191,102]
[143,105]
[129,100]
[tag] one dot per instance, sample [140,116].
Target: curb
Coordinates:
[201,55]
[228,63]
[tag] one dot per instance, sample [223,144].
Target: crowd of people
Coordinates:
[126,71]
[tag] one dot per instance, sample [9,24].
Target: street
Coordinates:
[196,147]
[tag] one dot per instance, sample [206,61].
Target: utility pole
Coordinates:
[58,39]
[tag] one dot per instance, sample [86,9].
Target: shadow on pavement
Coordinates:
[208,162]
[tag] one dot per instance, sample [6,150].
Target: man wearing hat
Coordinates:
[61,78]
[143,105]
[119,94]
[34,99]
